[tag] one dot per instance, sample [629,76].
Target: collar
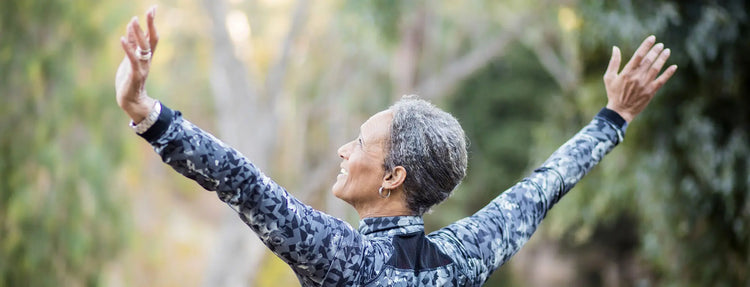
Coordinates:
[390,226]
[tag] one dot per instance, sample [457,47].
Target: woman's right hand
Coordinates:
[130,81]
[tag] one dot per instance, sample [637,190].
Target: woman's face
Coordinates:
[362,168]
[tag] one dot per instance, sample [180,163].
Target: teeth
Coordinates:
[344,172]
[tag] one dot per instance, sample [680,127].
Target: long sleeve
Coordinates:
[310,241]
[487,239]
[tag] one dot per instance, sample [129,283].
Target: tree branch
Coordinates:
[405,61]
[444,82]
[560,70]
[277,72]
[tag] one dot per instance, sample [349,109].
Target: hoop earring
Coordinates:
[380,192]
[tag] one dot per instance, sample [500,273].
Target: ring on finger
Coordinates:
[138,50]
[142,54]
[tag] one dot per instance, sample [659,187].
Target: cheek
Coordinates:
[365,174]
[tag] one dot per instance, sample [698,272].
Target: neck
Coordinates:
[384,212]
[394,205]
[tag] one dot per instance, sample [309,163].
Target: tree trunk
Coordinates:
[239,252]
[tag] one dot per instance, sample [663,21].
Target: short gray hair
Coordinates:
[431,145]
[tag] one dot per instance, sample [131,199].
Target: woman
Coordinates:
[406,159]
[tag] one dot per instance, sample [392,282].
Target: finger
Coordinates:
[131,38]
[132,43]
[639,54]
[140,38]
[130,35]
[614,63]
[153,36]
[658,64]
[661,80]
[128,51]
[651,57]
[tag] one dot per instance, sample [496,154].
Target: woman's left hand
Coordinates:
[130,81]
[630,91]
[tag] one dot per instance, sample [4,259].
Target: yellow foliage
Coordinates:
[275,272]
[568,19]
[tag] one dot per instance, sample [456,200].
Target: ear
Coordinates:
[395,179]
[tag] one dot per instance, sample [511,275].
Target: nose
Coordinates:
[344,150]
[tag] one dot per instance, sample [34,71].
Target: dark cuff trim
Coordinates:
[612,117]
[160,126]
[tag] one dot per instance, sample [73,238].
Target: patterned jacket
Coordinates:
[386,251]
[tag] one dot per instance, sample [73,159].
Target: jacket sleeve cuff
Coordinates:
[615,119]
[160,126]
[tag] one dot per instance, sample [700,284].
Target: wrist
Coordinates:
[138,110]
[625,115]
[146,124]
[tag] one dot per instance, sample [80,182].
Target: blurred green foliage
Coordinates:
[60,216]
[677,187]
[688,156]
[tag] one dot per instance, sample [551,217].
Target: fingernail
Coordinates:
[667,51]
[659,46]
[652,38]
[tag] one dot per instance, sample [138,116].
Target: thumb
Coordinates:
[614,63]
[123,73]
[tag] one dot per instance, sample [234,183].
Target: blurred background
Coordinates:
[84,201]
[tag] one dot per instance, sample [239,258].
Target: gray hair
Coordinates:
[430,144]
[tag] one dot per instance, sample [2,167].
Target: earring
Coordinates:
[380,192]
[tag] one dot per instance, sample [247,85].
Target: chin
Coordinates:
[336,194]
[340,194]
[336,191]
[339,188]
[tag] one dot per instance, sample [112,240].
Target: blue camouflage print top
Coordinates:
[385,251]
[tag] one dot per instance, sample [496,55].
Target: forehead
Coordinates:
[377,126]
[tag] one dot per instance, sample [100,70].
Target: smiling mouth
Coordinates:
[344,172]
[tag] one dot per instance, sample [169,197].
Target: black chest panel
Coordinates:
[413,251]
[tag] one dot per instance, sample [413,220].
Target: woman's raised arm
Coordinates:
[491,236]
[310,241]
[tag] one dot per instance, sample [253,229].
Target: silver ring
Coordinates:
[143,55]
[138,50]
